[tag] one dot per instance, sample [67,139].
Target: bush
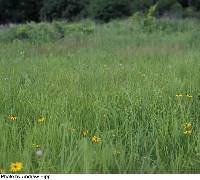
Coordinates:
[191,13]
[146,21]
[174,25]
[45,32]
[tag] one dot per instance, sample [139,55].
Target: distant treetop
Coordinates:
[20,11]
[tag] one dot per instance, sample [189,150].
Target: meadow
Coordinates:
[100,98]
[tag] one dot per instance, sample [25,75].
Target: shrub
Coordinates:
[191,13]
[43,32]
[146,21]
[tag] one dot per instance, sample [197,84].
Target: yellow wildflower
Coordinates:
[96,139]
[188,128]
[179,95]
[187,133]
[15,167]
[35,145]
[12,117]
[189,96]
[85,133]
[41,120]
[1,171]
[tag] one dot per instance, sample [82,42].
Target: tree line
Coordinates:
[20,11]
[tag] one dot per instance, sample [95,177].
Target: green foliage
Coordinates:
[147,21]
[19,10]
[43,32]
[190,3]
[176,10]
[164,5]
[191,13]
[62,9]
[150,20]
[120,87]
[105,10]
[175,25]
[142,5]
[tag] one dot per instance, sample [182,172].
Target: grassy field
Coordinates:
[116,100]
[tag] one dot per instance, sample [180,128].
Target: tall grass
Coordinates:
[119,83]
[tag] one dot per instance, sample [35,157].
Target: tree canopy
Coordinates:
[18,11]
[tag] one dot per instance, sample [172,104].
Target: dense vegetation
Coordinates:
[121,97]
[84,97]
[19,11]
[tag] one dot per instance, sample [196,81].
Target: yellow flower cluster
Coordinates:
[12,117]
[41,120]
[187,129]
[1,171]
[35,145]
[181,95]
[94,138]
